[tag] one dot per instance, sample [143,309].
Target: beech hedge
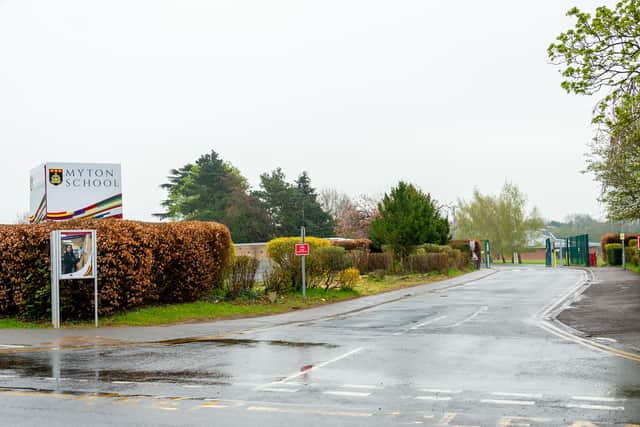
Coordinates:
[138,264]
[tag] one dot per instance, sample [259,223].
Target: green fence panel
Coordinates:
[579,250]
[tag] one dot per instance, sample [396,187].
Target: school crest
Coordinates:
[55,176]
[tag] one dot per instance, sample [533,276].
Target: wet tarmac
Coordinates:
[469,355]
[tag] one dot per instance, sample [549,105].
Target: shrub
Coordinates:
[348,278]
[433,248]
[631,255]
[277,280]
[243,275]
[353,244]
[138,264]
[359,259]
[328,262]
[614,253]
[615,238]
[380,261]
[281,251]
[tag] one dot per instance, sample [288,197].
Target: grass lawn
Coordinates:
[243,307]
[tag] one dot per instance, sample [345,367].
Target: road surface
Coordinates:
[472,355]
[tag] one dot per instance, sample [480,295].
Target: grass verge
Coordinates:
[245,307]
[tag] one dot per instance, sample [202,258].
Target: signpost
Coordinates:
[302,249]
[624,261]
[73,257]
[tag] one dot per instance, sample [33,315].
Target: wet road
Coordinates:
[474,355]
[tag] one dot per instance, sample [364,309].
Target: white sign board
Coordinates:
[73,256]
[63,191]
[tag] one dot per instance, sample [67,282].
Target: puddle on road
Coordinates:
[102,366]
[38,367]
[244,342]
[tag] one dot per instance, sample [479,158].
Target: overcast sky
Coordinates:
[361,94]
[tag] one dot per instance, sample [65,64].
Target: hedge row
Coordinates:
[614,238]
[138,264]
[353,244]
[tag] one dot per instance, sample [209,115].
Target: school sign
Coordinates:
[63,191]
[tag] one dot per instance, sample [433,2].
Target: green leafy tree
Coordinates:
[601,54]
[407,218]
[214,190]
[503,220]
[293,205]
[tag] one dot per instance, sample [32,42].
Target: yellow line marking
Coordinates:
[551,328]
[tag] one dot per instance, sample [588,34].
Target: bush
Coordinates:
[328,262]
[615,238]
[138,264]
[614,253]
[277,280]
[353,244]
[428,263]
[430,248]
[359,259]
[631,255]
[281,251]
[380,261]
[348,278]
[243,275]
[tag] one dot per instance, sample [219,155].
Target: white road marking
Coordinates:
[524,395]
[437,390]
[420,325]
[362,386]
[280,390]
[598,399]
[12,346]
[434,398]
[8,376]
[314,368]
[122,382]
[509,402]
[596,407]
[346,393]
[192,386]
[470,318]
[307,411]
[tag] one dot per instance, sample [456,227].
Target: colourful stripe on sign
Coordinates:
[106,208]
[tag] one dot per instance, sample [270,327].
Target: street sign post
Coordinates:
[73,256]
[302,249]
[624,261]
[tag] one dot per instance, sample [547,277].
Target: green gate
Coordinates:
[574,251]
[579,250]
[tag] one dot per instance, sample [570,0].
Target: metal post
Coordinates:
[624,259]
[94,250]
[55,278]
[304,277]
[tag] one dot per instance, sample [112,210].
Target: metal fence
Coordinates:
[573,250]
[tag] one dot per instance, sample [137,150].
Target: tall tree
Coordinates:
[407,218]
[503,220]
[214,190]
[293,205]
[601,54]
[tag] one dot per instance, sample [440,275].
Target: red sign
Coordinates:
[302,249]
